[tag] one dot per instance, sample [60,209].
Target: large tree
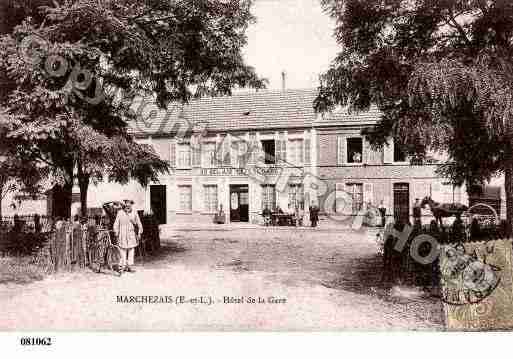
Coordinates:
[439,70]
[74,121]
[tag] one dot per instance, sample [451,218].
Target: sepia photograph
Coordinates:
[255,166]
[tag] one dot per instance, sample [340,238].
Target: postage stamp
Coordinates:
[476,285]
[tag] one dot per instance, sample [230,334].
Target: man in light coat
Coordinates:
[128,229]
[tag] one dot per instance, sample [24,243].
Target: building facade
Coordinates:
[380,177]
[269,149]
[240,153]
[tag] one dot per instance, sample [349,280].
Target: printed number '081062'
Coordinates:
[35,341]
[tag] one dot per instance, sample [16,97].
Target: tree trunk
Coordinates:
[62,198]
[1,198]
[508,187]
[63,195]
[83,183]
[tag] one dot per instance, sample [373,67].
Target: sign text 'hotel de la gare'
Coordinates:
[231,171]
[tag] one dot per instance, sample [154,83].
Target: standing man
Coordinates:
[383,212]
[128,229]
[417,213]
[314,215]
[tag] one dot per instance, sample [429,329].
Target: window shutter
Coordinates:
[301,152]
[201,198]
[226,159]
[388,151]
[172,154]
[234,153]
[283,155]
[342,152]
[278,152]
[366,155]
[260,158]
[368,193]
[340,188]
[219,151]
[252,150]
[307,152]
[196,152]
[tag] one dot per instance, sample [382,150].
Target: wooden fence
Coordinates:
[65,245]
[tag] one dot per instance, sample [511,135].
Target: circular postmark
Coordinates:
[464,278]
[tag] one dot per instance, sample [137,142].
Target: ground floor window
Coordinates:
[210,198]
[296,196]
[185,198]
[356,192]
[269,197]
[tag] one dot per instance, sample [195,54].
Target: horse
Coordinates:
[443,210]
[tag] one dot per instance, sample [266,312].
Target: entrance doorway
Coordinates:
[401,202]
[158,203]
[239,203]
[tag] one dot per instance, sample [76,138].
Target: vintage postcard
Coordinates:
[240,165]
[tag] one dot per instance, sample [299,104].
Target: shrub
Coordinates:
[21,243]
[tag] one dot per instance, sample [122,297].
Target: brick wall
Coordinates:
[377,177]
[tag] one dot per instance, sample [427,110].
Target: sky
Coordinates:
[294,36]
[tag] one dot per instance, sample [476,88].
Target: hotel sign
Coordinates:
[230,171]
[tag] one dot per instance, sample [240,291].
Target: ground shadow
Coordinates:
[161,256]
[364,277]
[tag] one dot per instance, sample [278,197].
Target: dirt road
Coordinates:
[306,280]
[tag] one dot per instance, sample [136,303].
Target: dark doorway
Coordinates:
[401,202]
[239,203]
[158,203]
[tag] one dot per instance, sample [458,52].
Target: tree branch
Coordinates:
[454,24]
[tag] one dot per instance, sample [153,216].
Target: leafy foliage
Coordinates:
[439,70]
[73,124]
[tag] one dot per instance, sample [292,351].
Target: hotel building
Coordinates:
[243,152]
[270,149]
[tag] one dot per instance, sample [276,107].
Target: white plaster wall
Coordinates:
[105,192]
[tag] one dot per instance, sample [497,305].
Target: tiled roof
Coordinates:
[244,111]
[344,117]
[247,111]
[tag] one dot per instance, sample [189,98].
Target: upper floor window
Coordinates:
[238,149]
[354,150]
[209,154]
[399,155]
[296,152]
[269,148]
[184,155]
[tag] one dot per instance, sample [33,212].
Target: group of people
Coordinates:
[295,212]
